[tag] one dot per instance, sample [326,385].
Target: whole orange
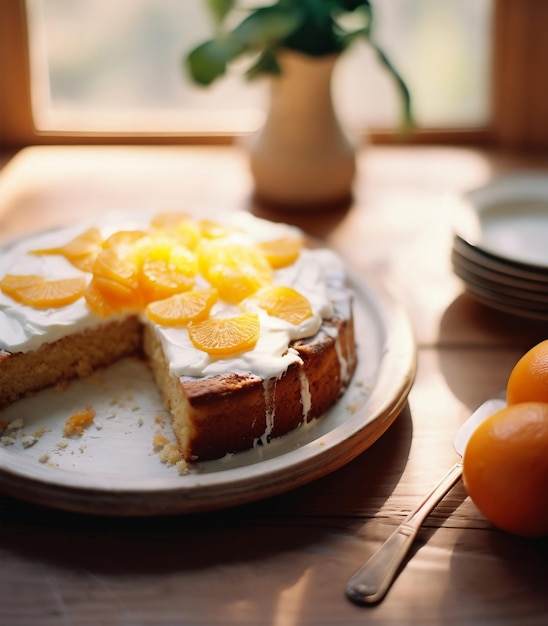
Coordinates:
[505,468]
[528,381]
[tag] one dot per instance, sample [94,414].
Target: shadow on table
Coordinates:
[320,224]
[195,542]
[485,566]
[474,327]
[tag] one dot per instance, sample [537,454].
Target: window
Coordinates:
[97,70]
[103,66]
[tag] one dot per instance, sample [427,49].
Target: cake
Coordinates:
[248,329]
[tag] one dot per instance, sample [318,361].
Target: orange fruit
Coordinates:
[183,308]
[505,468]
[285,303]
[235,269]
[281,252]
[528,381]
[227,336]
[43,294]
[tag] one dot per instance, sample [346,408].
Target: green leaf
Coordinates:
[267,63]
[268,26]
[407,114]
[208,61]
[220,8]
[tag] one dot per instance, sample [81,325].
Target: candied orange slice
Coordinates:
[281,252]
[211,229]
[179,226]
[124,239]
[12,284]
[235,269]
[285,303]
[117,279]
[44,294]
[80,251]
[109,264]
[227,336]
[97,301]
[183,308]
[160,279]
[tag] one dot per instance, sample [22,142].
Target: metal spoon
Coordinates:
[371,582]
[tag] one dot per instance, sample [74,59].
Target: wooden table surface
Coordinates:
[285,560]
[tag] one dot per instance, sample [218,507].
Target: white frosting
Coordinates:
[317,274]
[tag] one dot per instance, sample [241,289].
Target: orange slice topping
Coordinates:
[184,308]
[117,279]
[160,279]
[179,226]
[224,337]
[37,292]
[281,252]
[12,284]
[80,251]
[285,303]
[235,269]
[211,229]
[165,268]
[97,301]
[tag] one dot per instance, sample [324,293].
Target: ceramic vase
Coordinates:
[302,158]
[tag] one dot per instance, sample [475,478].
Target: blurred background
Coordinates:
[103,71]
[98,64]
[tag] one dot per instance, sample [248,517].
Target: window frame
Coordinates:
[518,91]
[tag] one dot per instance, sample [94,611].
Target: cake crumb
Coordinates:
[78,422]
[16,424]
[44,458]
[159,442]
[182,467]
[7,440]
[62,445]
[28,441]
[170,454]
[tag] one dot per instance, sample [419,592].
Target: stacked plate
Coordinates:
[500,245]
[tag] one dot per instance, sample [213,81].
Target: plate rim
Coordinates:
[524,184]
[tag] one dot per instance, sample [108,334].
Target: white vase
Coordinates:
[302,158]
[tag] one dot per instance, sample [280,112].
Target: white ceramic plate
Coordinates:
[520,293]
[509,218]
[535,290]
[506,270]
[112,468]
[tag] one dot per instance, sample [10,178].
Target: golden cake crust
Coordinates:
[219,415]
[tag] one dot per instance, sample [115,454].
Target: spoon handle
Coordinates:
[371,582]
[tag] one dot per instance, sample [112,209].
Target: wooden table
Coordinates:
[285,560]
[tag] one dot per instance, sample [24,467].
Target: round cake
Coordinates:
[247,329]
